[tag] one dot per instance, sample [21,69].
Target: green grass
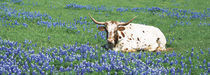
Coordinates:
[186,37]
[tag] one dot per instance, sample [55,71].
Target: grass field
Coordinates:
[58,37]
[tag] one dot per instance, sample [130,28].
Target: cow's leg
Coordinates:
[152,47]
[160,47]
[148,48]
[118,47]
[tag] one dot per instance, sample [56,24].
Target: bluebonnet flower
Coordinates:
[62,69]
[200,66]
[48,38]
[25,25]
[182,64]
[204,61]
[190,60]
[5,57]
[208,70]
[171,63]
[34,72]
[208,64]
[185,65]
[201,51]
[191,54]
[192,49]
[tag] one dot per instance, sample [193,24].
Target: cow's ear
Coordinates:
[121,28]
[101,28]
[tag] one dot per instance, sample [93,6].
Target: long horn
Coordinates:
[101,23]
[124,24]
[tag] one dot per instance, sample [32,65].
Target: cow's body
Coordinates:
[128,37]
[140,37]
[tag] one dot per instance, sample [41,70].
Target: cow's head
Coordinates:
[111,28]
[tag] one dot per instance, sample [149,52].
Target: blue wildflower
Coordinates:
[204,61]
[190,60]
[34,72]
[25,25]
[62,69]
[191,54]
[201,51]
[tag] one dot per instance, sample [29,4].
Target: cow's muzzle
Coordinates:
[110,41]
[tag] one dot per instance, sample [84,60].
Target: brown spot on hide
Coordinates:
[138,39]
[106,23]
[114,22]
[157,40]
[126,48]
[122,34]
[115,37]
[148,47]
[121,28]
[110,33]
[143,31]
[129,38]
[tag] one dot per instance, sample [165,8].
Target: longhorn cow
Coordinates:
[130,37]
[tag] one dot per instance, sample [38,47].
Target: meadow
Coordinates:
[57,37]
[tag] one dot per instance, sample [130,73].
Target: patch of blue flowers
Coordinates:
[17,58]
[170,12]
[20,58]
[180,14]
